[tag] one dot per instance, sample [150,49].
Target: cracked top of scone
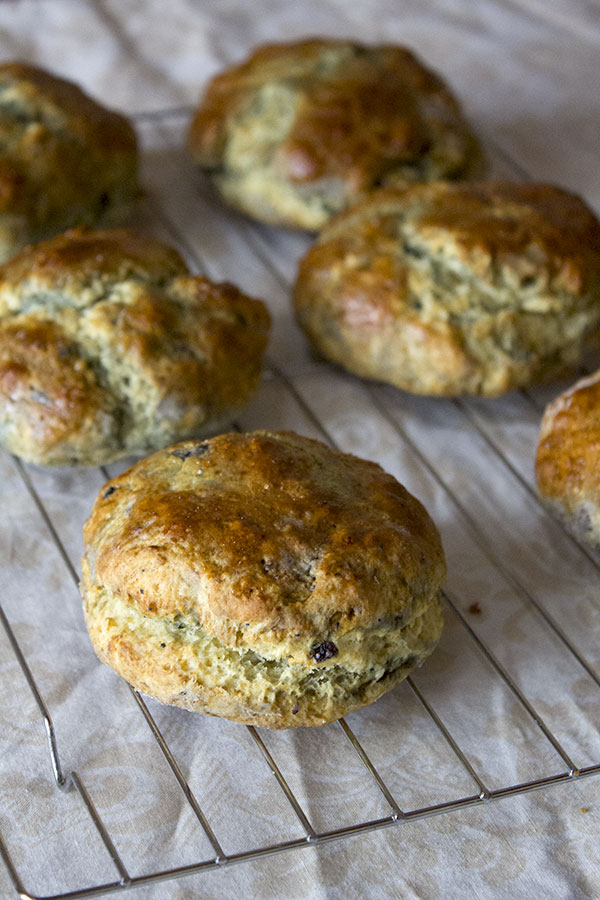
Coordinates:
[448,289]
[301,130]
[65,160]
[568,458]
[270,541]
[108,346]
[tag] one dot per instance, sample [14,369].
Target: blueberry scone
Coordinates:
[262,577]
[110,347]
[449,289]
[65,160]
[302,130]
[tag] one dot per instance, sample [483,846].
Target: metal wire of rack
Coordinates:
[271,254]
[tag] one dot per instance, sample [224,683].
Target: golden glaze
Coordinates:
[78,260]
[287,532]
[54,390]
[535,230]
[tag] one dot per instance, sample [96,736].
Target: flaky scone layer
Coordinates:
[450,289]
[263,577]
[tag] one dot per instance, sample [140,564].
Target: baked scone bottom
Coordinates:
[175,661]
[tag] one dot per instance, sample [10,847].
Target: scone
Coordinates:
[64,159]
[262,577]
[449,289]
[302,130]
[109,347]
[568,459]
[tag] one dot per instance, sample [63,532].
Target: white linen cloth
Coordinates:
[527,74]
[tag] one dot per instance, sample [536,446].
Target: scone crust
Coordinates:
[308,579]
[109,347]
[301,130]
[65,160]
[568,458]
[449,289]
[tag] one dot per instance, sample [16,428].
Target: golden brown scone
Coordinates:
[108,346]
[451,289]
[301,130]
[262,577]
[64,159]
[568,458]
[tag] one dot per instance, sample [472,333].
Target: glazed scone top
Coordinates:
[79,267]
[109,346]
[455,288]
[334,114]
[270,541]
[64,159]
[521,237]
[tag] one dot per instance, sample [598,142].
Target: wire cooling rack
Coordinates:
[505,706]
